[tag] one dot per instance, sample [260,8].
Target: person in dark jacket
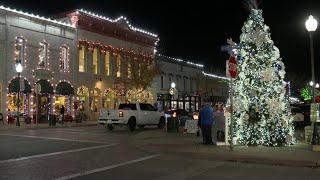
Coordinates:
[206,121]
[62,113]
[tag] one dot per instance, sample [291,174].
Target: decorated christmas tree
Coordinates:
[261,106]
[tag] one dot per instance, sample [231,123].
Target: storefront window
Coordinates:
[20,46]
[82,60]
[95,64]
[43,55]
[60,100]
[107,63]
[12,103]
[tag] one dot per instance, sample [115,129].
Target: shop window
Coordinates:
[59,102]
[20,47]
[43,55]
[12,100]
[107,63]
[95,63]
[118,66]
[129,70]
[64,58]
[82,59]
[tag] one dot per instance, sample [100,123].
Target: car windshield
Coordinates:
[128,106]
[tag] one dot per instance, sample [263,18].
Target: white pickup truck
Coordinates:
[132,115]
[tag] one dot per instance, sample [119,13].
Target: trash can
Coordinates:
[172,124]
[52,120]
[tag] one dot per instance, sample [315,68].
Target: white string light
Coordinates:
[181,60]
[35,16]
[116,20]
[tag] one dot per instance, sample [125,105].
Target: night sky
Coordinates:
[195,30]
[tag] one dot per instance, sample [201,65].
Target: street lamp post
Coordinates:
[311,26]
[19,69]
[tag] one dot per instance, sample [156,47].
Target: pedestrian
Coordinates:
[62,113]
[206,121]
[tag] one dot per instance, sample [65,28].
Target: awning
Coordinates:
[65,89]
[45,87]
[14,86]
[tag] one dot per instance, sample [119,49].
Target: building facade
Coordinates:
[44,47]
[191,85]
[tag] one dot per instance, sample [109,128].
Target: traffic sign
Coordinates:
[232,66]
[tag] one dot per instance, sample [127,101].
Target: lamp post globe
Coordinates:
[311,83]
[311,24]
[173,85]
[19,69]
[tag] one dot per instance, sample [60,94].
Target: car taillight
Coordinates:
[120,114]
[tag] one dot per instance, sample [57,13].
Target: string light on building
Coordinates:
[35,16]
[116,20]
[181,60]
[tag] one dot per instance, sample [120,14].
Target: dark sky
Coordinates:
[195,30]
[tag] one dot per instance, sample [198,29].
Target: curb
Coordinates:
[47,127]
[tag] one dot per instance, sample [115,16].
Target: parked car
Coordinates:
[181,114]
[132,115]
[298,117]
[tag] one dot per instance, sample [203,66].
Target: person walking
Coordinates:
[62,113]
[206,121]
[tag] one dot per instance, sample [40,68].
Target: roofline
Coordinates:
[182,61]
[133,28]
[20,12]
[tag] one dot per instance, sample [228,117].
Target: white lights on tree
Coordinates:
[311,24]
[261,107]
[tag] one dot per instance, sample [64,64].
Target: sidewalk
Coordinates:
[46,125]
[189,145]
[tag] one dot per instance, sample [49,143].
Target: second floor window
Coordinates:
[95,66]
[19,52]
[107,63]
[82,59]
[129,70]
[64,58]
[118,66]
[43,55]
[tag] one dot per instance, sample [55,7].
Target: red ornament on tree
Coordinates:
[233,66]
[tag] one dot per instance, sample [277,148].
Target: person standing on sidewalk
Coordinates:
[62,113]
[206,121]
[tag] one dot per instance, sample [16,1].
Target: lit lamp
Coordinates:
[311,26]
[173,85]
[19,69]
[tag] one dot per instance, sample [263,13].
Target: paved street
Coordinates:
[94,153]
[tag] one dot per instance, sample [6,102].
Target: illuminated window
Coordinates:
[129,70]
[107,63]
[64,58]
[118,66]
[95,61]
[43,55]
[20,47]
[82,60]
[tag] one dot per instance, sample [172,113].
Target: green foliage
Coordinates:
[306,93]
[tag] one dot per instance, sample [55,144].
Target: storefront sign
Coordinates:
[42,74]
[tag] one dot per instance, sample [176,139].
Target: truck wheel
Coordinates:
[110,127]
[132,124]
[162,123]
